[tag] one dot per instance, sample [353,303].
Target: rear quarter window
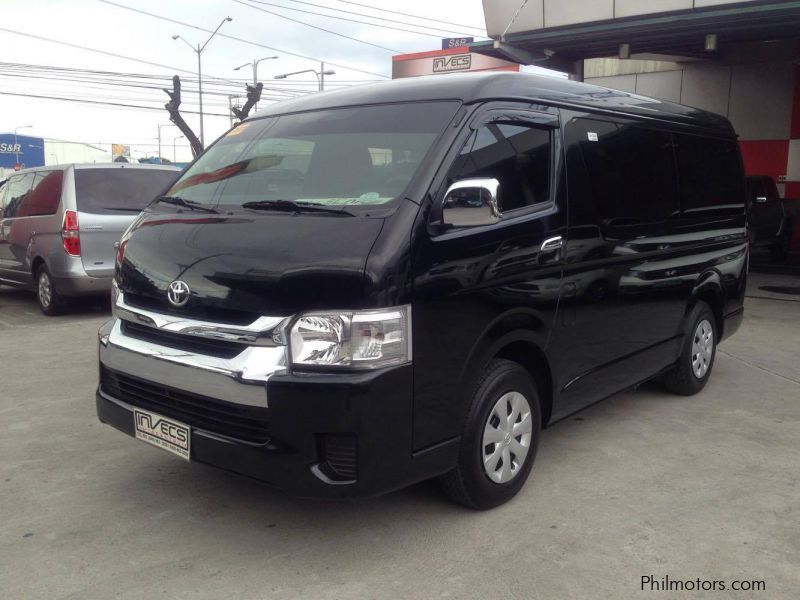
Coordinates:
[711,178]
[120,190]
[44,196]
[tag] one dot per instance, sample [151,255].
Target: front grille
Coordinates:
[247,423]
[191,310]
[189,343]
[340,454]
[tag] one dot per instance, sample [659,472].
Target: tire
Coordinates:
[503,386]
[50,302]
[693,369]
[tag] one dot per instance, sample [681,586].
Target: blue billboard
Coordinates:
[21,149]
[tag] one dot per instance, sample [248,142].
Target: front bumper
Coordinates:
[373,409]
[344,434]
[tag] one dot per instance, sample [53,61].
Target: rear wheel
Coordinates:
[696,361]
[49,300]
[499,440]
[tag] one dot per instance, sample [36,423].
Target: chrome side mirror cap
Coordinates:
[471,203]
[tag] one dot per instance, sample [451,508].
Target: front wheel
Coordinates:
[690,374]
[499,440]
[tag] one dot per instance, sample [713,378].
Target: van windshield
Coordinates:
[338,157]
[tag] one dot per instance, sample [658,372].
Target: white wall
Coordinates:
[757,98]
[60,152]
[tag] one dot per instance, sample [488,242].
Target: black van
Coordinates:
[357,290]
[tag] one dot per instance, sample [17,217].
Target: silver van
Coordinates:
[59,225]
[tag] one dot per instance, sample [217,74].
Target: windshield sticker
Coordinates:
[592,136]
[240,128]
[368,198]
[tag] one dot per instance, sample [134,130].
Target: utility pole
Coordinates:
[230,107]
[199,51]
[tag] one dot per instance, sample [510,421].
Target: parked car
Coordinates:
[770,223]
[59,224]
[354,291]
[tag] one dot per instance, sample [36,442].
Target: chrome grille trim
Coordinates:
[264,331]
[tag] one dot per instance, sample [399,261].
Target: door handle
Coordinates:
[553,243]
[761,199]
[550,249]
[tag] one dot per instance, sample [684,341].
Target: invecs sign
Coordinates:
[455,62]
[442,62]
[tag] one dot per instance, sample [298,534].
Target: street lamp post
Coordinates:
[254,66]
[199,51]
[174,160]
[160,125]
[320,75]
[16,145]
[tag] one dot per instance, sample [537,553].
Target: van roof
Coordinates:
[478,87]
[97,166]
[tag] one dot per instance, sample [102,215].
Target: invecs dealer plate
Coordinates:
[162,432]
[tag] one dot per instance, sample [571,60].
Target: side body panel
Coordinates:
[473,286]
[629,284]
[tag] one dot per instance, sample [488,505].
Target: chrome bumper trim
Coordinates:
[241,379]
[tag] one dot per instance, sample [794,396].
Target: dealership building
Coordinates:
[738,59]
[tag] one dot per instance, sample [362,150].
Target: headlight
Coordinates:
[114,296]
[358,340]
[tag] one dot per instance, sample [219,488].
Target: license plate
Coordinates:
[162,432]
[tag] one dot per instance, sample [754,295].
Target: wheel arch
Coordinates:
[35,264]
[519,336]
[709,289]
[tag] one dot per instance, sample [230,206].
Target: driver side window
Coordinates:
[517,154]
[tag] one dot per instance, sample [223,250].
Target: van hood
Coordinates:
[241,266]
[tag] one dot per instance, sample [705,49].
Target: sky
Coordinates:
[107,26]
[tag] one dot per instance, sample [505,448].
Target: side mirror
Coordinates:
[471,202]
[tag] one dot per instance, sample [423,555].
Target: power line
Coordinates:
[361,14]
[96,50]
[395,12]
[238,39]
[308,12]
[314,26]
[85,101]
[60,78]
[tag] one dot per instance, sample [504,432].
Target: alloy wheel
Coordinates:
[45,289]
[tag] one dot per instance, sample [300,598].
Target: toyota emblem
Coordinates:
[178,293]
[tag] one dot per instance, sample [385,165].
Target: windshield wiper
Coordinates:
[191,205]
[291,206]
